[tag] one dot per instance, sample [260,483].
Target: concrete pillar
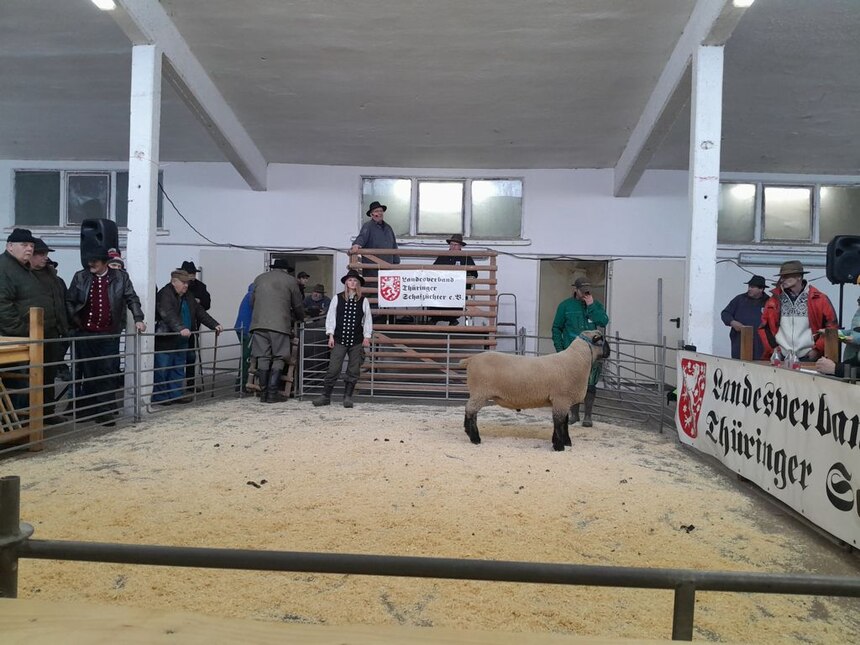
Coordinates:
[705,133]
[144,131]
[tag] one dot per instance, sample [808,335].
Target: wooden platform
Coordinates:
[40,622]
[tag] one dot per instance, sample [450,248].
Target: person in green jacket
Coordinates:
[575,315]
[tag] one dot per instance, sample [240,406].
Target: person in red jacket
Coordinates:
[794,316]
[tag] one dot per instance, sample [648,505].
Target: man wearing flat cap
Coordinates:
[276,304]
[795,316]
[177,315]
[455,243]
[95,303]
[745,310]
[376,234]
[575,315]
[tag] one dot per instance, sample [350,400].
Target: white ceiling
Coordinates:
[438,83]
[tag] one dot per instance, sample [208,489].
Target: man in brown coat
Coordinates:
[277,304]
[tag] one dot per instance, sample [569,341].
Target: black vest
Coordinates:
[349,321]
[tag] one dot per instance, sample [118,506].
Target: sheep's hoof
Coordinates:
[558,447]
[475,439]
[567,441]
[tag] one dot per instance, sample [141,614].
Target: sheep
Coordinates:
[519,382]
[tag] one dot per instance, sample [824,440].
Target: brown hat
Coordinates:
[792,267]
[181,275]
[318,288]
[352,273]
[456,237]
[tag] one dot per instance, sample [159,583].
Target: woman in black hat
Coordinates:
[349,326]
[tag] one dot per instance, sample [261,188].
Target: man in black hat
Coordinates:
[95,302]
[56,322]
[276,303]
[302,278]
[19,288]
[376,234]
[197,290]
[455,243]
[744,310]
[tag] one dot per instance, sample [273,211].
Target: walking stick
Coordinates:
[214,364]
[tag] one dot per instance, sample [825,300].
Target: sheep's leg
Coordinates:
[470,421]
[565,435]
[559,429]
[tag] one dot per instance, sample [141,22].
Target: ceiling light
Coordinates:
[740,4]
[110,5]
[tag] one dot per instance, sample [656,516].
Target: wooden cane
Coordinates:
[214,364]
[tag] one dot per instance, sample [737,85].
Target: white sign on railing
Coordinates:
[793,434]
[424,288]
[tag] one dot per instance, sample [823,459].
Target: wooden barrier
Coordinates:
[425,362]
[18,351]
[831,345]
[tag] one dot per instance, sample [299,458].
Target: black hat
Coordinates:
[302,274]
[22,235]
[41,247]
[581,283]
[53,263]
[456,237]
[757,281]
[352,273]
[98,253]
[374,206]
[281,263]
[188,267]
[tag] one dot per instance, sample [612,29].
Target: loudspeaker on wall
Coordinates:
[97,233]
[843,259]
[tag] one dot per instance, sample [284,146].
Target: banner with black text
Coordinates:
[422,288]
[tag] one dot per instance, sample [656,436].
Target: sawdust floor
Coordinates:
[404,480]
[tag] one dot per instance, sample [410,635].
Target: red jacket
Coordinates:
[821,316]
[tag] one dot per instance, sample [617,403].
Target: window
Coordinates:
[476,208]
[67,198]
[759,213]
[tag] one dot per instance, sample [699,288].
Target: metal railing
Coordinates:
[16,544]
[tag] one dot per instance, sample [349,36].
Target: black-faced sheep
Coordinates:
[520,382]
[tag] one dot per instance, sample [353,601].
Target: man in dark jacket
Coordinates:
[277,304]
[376,234]
[455,243]
[744,310]
[56,323]
[177,312]
[197,290]
[95,302]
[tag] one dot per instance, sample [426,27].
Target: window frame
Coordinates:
[413,234]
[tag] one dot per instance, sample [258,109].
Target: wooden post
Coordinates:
[747,333]
[37,371]
[831,344]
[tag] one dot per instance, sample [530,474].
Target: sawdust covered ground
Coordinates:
[404,480]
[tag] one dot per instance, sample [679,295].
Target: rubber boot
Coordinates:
[573,417]
[348,389]
[263,382]
[589,403]
[325,397]
[274,387]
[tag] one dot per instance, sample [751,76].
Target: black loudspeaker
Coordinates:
[97,233]
[843,259]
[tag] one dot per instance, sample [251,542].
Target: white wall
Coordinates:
[566,212]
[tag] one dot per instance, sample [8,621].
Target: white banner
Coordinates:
[793,434]
[422,289]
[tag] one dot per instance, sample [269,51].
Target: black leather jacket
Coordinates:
[121,294]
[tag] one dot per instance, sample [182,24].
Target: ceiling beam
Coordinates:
[146,22]
[710,23]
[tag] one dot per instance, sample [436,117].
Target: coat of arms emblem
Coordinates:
[693,375]
[389,287]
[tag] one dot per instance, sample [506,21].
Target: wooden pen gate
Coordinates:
[411,352]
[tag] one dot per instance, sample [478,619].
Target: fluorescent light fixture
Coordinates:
[742,4]
[110,5]
[773,259]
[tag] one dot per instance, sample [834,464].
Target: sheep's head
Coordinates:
[598,342]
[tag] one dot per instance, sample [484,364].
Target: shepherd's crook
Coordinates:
[214,364]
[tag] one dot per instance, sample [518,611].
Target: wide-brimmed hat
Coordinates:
[319,288]
[352,273]
[281,263]
[188,267]
[21,235]
[181,274]
[40,246]
[757,281]
[792,267]
[374,206]
[456,237]
[99,254]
